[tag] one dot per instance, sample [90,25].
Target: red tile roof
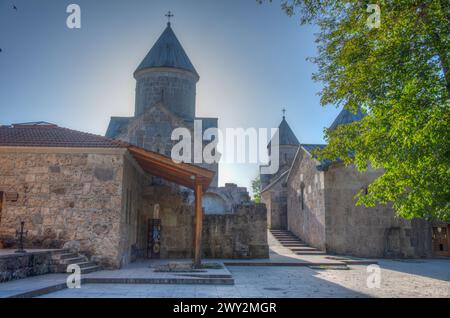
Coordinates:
[42,134]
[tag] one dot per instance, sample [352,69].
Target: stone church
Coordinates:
[121,197]
[165,100]
[315,200]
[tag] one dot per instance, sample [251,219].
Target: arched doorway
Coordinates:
[1,206]
[213,203]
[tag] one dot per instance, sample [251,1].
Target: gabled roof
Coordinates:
[167,52]
[286,135]
[281,177]
[41,134]
[309,148]
[346,117]
[117,125]
[50,135]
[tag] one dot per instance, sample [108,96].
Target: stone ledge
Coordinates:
[15,266]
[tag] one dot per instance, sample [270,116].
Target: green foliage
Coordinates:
[399,74]
[256,187]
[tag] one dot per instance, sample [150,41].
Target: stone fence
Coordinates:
[17,266]
[242,234]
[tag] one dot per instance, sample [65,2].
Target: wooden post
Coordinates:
[198,225]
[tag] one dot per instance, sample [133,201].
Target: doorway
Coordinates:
[1,205]
[154,238]
[441,240]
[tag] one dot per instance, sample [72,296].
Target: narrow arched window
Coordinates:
[302,195]
[1,206]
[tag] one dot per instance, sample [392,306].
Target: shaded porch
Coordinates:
[187,175]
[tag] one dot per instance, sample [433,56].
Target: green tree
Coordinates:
[399,74]
[256,187]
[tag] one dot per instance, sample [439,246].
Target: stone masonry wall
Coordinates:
[132,205]
[241,234]
[218,200]
[63,195]
[176,218]
[176,88]
[368,232]
[152,130]
[24,265]
[307,222]
[275,200]
[266,200]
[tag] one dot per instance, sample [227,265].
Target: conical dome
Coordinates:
[346,117]
[167,52]
[286,135]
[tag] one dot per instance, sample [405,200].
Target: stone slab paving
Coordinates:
[30,284]
[429,278]
[144,268]
[399,278]
[135,273]
[140,271]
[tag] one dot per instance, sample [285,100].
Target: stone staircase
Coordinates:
[292,242]
[64,257]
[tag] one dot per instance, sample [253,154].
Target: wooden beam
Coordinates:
[167,161]
[161,166]
[198,225]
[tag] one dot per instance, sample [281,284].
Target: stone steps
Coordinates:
[301,248]
[60,251]
[299,245]
[74,260]
[304,249]
[316,252]
[286,238]
[290,241]
[90,269]
[64,257]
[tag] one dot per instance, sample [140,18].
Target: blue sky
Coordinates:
[251,59]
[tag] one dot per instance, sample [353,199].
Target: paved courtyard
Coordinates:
[333,278]
[430,278]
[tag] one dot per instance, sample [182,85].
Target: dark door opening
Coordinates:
[1,205]
[154,238]
[441,240]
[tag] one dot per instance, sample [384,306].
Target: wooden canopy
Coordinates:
[164,167]
[188,175]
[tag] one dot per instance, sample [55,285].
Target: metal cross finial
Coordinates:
[284,112]
[169,15]
[20,234]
